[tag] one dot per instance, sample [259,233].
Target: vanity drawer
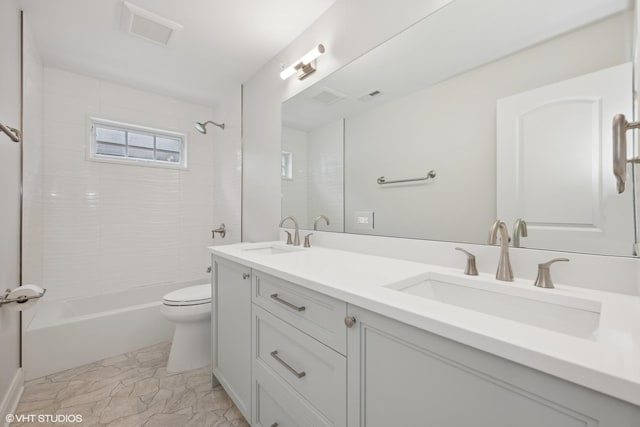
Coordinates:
[318,315]
[276,404]
[312,369]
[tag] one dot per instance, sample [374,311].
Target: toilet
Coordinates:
[190,309]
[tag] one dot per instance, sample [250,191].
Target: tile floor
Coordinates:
[132,390]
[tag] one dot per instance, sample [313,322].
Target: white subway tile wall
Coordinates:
[227,169]
[107,227]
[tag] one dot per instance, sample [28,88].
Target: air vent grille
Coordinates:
[328,96]
[370,96]
[147,25]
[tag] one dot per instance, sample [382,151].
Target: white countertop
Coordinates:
[610,364]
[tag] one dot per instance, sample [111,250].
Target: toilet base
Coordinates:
[191,347]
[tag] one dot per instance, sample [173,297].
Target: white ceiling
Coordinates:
[222,43]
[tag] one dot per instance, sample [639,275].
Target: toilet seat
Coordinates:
[192,295]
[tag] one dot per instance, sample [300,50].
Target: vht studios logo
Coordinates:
[43,418]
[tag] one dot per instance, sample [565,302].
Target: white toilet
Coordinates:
[190,309]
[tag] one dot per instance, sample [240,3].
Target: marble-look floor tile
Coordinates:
[132,390]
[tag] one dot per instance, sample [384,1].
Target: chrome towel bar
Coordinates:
[12,133]
[430,175]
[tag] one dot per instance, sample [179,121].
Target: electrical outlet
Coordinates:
[363,220]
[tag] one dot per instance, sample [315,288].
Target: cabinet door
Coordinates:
[399,375]
[231,330]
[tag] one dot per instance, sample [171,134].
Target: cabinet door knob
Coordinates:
[245,275]
[349,321]
[274,425]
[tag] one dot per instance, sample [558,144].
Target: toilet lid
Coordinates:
[193,295]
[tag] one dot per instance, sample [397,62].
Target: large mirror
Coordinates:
[489,110]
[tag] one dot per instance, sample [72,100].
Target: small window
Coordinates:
[286,164]
[127,143]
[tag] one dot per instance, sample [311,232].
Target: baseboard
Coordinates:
[12,397]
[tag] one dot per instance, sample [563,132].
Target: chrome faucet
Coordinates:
[296,237]
[318,218]
[519,229]
[504,271]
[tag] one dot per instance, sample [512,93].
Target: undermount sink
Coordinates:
[543,308]
[271,249]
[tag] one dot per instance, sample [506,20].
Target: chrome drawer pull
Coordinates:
[274,354]
[287,303]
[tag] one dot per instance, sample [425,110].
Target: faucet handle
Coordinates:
[544,274]
[289,241]
[470,269]
[307,244]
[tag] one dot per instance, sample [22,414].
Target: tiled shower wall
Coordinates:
[107,226]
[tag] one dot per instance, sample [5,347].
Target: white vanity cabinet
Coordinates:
[299,362]
[289,354]
[231,329]
[403,376]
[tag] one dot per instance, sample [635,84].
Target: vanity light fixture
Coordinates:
[304,66]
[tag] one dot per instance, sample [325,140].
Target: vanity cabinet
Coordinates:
[299,362]
[288,355]
[403,376]
[231,329]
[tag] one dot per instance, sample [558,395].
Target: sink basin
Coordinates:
[271,250]
[543,308]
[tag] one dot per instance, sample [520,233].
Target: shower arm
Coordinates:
[220,125]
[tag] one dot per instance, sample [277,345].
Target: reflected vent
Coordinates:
[370,96]
[147,25]
[328,96]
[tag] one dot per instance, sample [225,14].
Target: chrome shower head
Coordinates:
[202,127]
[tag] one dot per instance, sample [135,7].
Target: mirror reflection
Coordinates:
[507,118]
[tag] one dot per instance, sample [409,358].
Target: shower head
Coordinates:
[202,127]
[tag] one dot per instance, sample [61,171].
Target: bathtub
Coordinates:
[68,333]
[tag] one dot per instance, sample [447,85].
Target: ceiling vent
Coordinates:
[370,96]
[147,25]
[328,96]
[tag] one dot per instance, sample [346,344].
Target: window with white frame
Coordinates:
[286,165]
[127,143]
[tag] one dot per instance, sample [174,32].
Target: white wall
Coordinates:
[111,226]
[10,380]
[227,168]
[326,176]
[294,190]
[348,29]
[451,128]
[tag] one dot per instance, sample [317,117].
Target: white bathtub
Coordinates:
[72,332]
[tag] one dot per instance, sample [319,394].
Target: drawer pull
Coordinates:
[287,303]
[274,354]
[245,275]
[349,321]
[274,425]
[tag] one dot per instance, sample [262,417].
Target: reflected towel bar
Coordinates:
[430,175]
[21,299]
[12,133]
